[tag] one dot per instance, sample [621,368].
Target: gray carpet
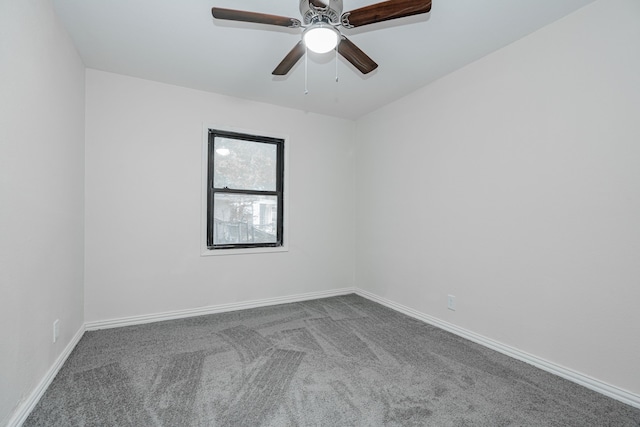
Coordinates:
[342,361]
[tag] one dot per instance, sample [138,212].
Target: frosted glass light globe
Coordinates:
[321,39]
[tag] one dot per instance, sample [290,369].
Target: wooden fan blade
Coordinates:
[355,56]
[259,18]
[384,11]
[290,60]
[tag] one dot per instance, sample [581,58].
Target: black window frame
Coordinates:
[211,190]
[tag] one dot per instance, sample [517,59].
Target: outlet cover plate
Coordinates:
[56,329]
[451,302]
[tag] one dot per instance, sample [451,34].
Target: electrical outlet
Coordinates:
[56,330]
[451,302]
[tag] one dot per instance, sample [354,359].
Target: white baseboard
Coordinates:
[25,408]
[181,314]
[614,392]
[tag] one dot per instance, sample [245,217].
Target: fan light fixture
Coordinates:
[320,38]
[322,20]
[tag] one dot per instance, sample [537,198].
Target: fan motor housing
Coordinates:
[312,14]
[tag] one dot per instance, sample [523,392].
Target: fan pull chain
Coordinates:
[306,60]
[336,49]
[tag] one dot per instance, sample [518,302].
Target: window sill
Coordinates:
[243,251]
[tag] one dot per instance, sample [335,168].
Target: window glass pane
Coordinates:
[242,218]
[244,165]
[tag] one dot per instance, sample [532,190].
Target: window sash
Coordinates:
[212,191]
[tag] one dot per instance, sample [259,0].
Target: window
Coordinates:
[245,181]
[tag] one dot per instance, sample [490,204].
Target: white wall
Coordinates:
[41,195]
[514,184]
[143,201]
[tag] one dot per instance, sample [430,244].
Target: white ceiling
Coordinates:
[179,42]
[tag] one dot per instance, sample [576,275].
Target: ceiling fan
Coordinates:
[321,20]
